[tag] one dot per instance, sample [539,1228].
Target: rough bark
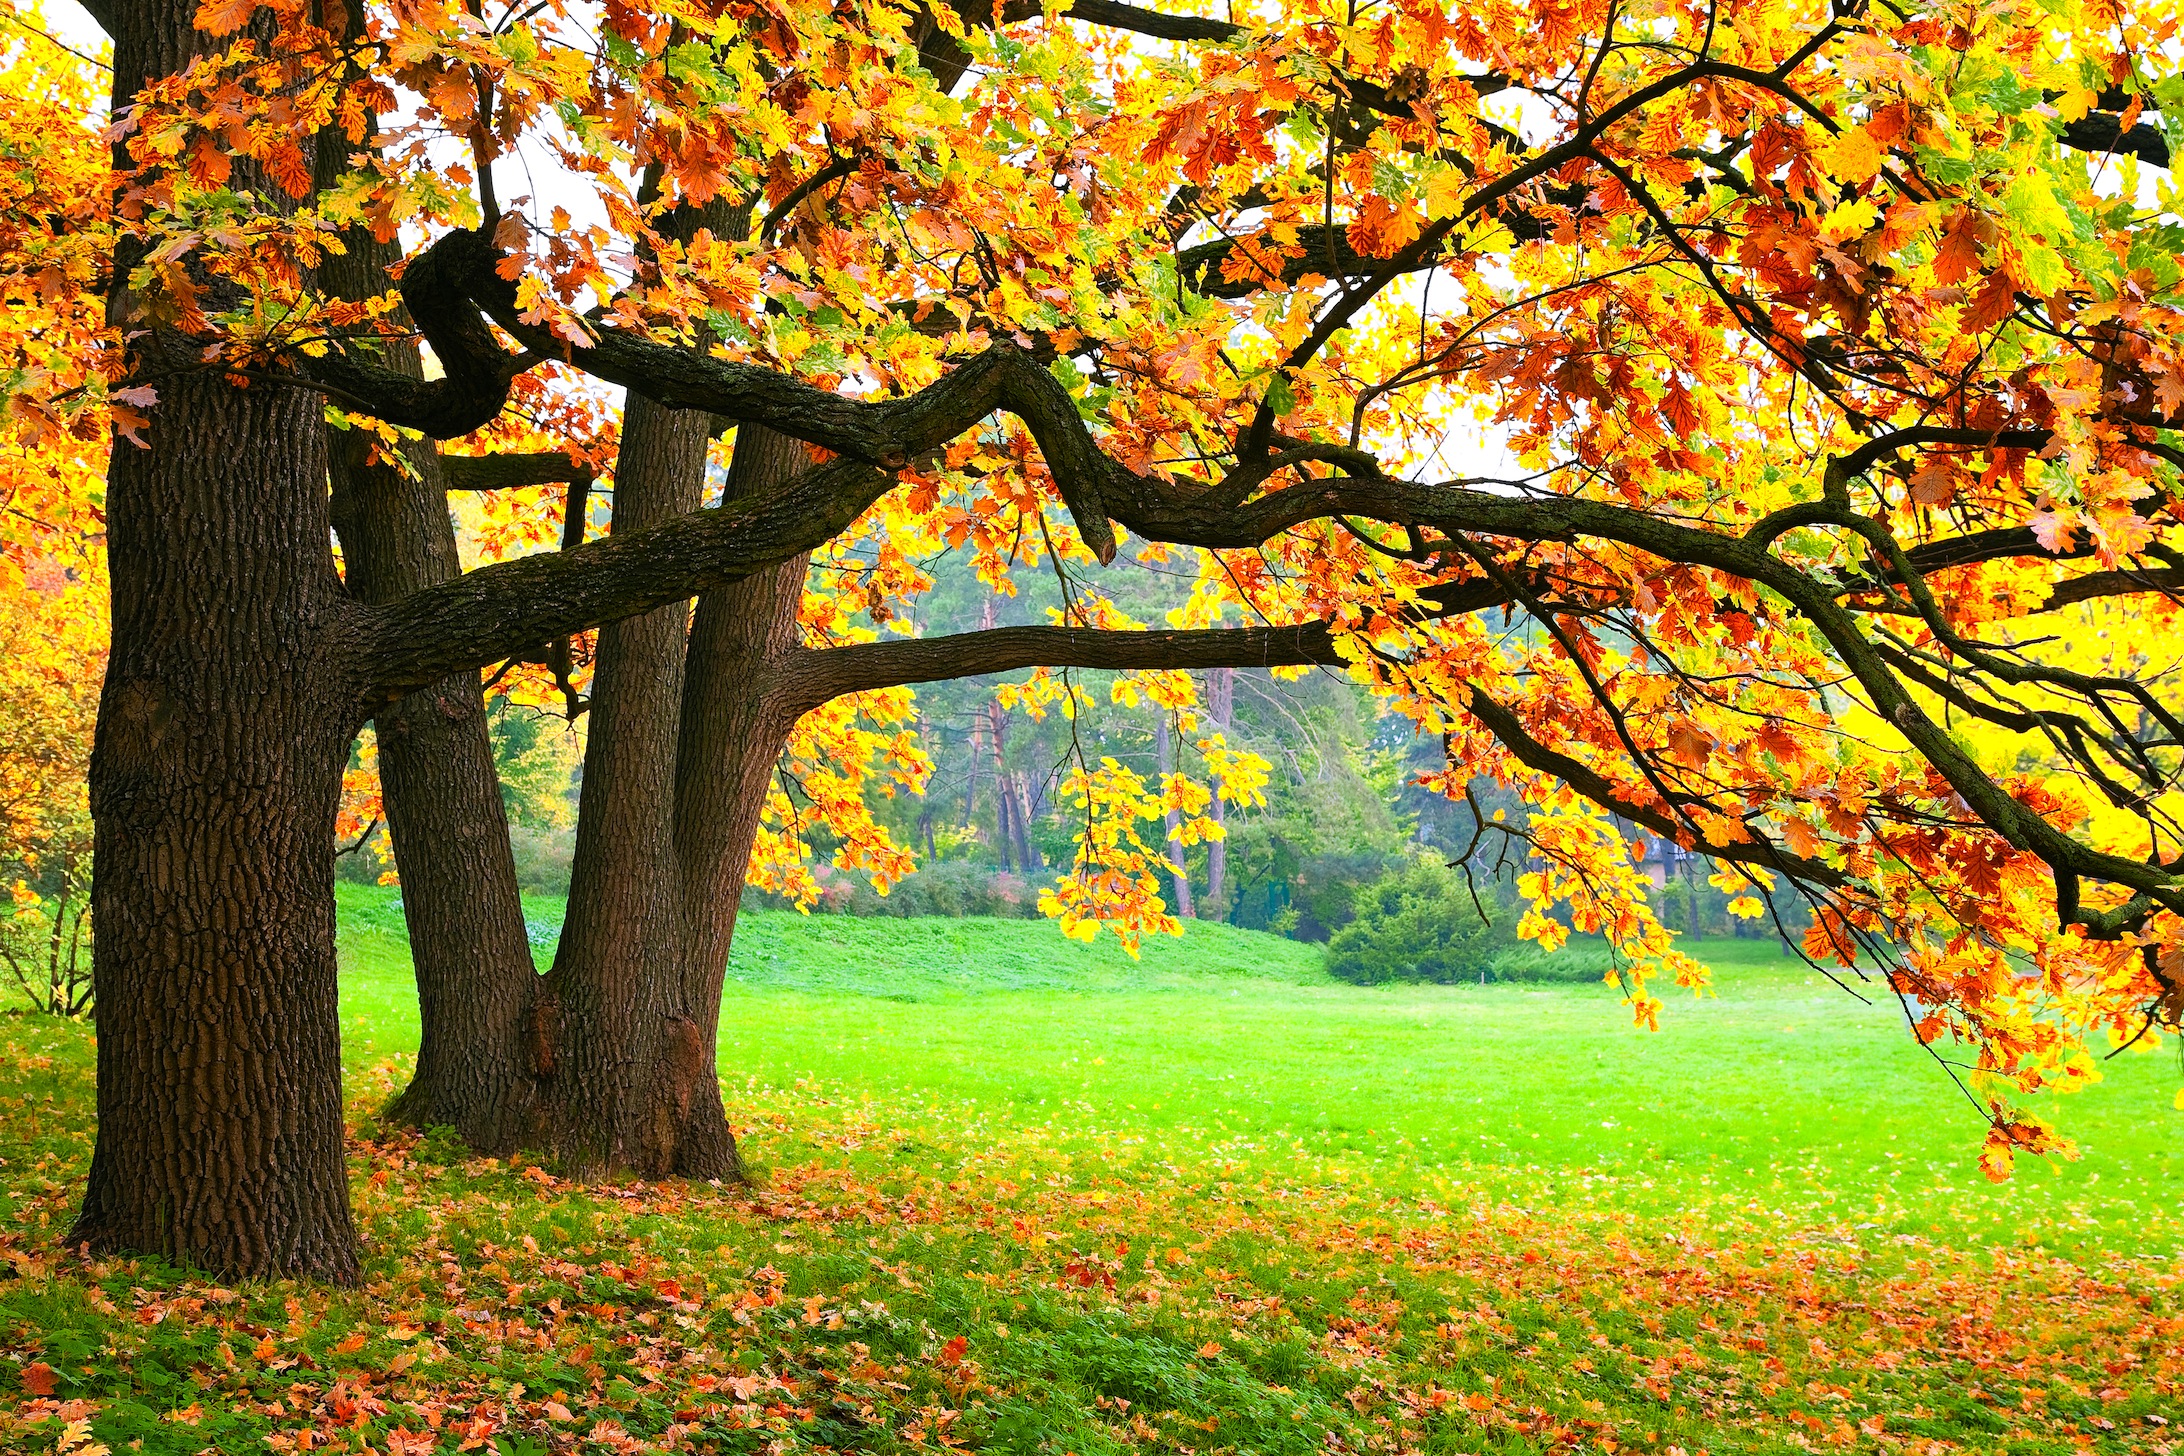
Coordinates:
[215,778]
[476,983]
[737,709]
[623,1058]
[825,674]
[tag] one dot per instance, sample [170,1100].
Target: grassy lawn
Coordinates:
[1024,1195]
[1780,1100]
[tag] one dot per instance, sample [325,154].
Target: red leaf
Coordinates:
[38,1379]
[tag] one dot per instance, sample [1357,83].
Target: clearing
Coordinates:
[1022,1195]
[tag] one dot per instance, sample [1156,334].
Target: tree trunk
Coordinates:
[734,725]
[1221,707]
[974,755]
[215,777]
[1018,786]
[1691,884]
[622,1055]
[1006,831]
[1164,754]
[476,984]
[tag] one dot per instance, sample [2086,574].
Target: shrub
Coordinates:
[1416,923]
[952,888]
[543,858]
[1581,962]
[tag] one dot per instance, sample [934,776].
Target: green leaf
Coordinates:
[2030,202]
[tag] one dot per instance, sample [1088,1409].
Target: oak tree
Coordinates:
[1834,347]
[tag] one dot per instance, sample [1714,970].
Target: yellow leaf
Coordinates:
[2075,102]
[1853,219]
[1850,155]
[1444,193]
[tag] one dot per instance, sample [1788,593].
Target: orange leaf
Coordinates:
[224,17]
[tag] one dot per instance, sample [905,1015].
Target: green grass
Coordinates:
[1027,1197]
[1777,1102]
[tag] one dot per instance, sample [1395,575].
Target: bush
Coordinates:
[543,858]
[1579,963]
[1416,923]
[952,888]
[1329,890]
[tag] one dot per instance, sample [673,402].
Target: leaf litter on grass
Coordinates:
[896,1284]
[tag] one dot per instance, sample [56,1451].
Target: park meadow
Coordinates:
[1020,1195]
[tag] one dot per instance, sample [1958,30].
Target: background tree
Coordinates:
[52,567]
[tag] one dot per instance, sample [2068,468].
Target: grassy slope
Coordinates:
[1779,1099]
[1026,1197]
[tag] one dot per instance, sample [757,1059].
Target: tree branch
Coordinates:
[500,611]
[1538,757]
[2168,581]
[2100,132]
[435,290]
[513,470]
[820,675]
[1140,21]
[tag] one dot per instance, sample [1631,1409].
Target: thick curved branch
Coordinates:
[436,291]
[513,470]
[1140,21]
[2100,132]
[819,675]
[887,433]
[2098,584]
[506,610]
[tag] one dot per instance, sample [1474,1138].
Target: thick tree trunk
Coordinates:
[476,985]
[622,1055]
[686,728]
[735,723]
[215,777]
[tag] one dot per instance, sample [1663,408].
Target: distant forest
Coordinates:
[1343,806]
